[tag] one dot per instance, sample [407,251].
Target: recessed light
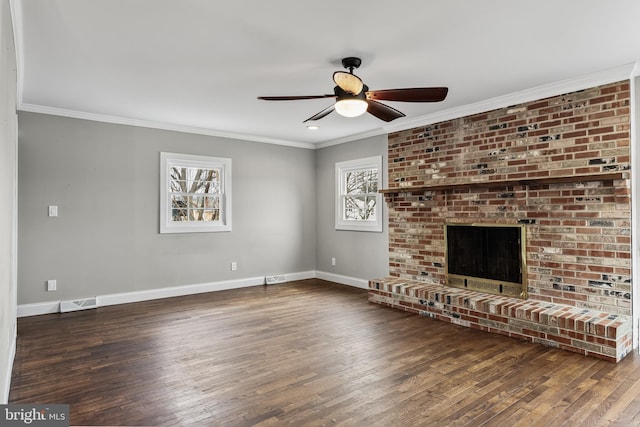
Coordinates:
[313,127]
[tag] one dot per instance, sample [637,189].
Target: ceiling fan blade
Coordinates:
[321,114]
[382,111]
[417,94]
[348,82]
[294,98]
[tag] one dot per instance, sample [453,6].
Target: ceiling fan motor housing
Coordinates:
[342,94]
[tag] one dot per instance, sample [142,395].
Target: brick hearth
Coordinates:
[589,332]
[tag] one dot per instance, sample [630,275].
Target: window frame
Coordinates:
[167,225]
[341,169]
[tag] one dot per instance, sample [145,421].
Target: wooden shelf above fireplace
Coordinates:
[610,176]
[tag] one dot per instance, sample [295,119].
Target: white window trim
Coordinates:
[356,225]
[167,160]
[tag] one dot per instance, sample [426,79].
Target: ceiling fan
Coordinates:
[353,97]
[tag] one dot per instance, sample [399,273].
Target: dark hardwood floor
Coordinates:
[306,353]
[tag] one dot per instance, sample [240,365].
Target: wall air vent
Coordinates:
[80,304]
[272,280]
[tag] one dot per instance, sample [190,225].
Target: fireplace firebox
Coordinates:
[487,258]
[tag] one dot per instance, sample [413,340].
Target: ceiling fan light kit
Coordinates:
[353,97]
[349,104]
[351,107]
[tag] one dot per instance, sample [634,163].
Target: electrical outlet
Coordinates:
[234,266]
[333,261]
[52,285]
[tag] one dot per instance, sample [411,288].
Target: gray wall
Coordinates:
[104,178]
[8,147]
[362,255]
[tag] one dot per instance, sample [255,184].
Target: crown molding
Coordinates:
[41,109]
[350,138]
[611,75]
[34,108]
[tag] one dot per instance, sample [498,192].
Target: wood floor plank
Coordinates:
[305,353]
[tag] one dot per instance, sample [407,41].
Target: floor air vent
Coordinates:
[80,304]
[272,280]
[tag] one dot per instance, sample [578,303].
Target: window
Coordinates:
[195,193]
[358,203]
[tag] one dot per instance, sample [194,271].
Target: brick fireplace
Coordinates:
[560,166]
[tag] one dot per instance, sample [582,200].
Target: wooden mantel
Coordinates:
[610,176]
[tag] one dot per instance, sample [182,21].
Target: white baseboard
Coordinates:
[25,310]
[49,307]
[343,280]
[177,291]
[4,394]
[303,275]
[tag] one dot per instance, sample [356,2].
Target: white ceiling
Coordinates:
[199,64]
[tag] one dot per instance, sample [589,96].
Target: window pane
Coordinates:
[211,215]
[361,181]
[179,215]
[178,186]
[178,174]
[371,209]
[351,182]
[178,202]
[212,202]
[196,202]
[354,208]
[360,208]
[196,214]
[372,181]
[193,174]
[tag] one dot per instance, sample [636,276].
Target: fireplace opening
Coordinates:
[487,258]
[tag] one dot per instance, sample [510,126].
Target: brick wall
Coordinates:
[578,234]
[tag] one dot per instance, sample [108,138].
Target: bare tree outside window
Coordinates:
[195,194]
[360,194]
